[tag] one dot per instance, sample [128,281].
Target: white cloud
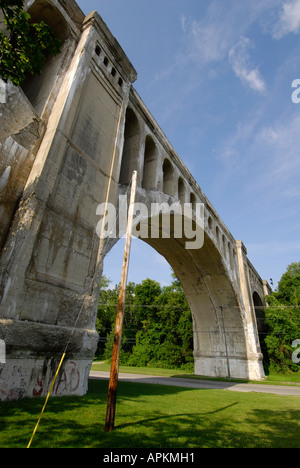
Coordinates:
[265,156]
[183,20]
[292,192]
[282,141]
[240,61]
[208,41]
[223,23]
[289,21]
[273,246]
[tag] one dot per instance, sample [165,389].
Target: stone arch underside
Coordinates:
[220,329]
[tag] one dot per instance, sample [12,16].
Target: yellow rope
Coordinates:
[48,396]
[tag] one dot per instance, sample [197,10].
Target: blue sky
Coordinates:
[217,76]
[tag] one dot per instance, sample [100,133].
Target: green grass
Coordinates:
[105,367]
[153,416]
[287,378]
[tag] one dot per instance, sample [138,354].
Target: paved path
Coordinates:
[201,384]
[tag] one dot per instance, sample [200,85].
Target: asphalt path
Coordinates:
[201,384]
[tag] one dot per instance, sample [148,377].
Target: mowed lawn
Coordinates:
[153,416]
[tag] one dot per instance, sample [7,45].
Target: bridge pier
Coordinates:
[232,348]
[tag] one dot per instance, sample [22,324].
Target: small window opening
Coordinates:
[193,201]
[98,50]
[106,61]
[113,72]
[120,82]
[168,178]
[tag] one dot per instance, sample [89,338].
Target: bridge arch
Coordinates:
[131,147]
[209,275]
[219,316]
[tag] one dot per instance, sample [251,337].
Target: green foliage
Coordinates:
[158,328]
[289,286]
[283,320]
[24,49]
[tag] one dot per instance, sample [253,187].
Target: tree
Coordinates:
[146,295]
[24,47]
[283,320]
[167,337]
[106,319]
[106,313]
[289,286]
[158,326]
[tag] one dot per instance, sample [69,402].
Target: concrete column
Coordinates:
[254,356]
[50,267]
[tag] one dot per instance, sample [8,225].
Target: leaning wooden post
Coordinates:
[114,372]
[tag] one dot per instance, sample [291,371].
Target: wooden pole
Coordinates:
[114,372]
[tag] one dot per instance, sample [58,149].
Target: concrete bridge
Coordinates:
[69,141]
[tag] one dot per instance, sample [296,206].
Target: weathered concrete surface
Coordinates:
[20,129]
[69,141]
[50,269]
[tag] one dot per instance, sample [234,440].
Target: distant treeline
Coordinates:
[158,325]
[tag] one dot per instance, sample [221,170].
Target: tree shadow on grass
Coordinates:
[168,417]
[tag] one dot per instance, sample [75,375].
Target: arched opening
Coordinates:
[261,326]
[131,147]
[230,253]
[193,201]
[43,10]
[155,305]
[224,245]
[220,336]
[181,190]
[38,87]
[150,165]
[168,178]
[218,236]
